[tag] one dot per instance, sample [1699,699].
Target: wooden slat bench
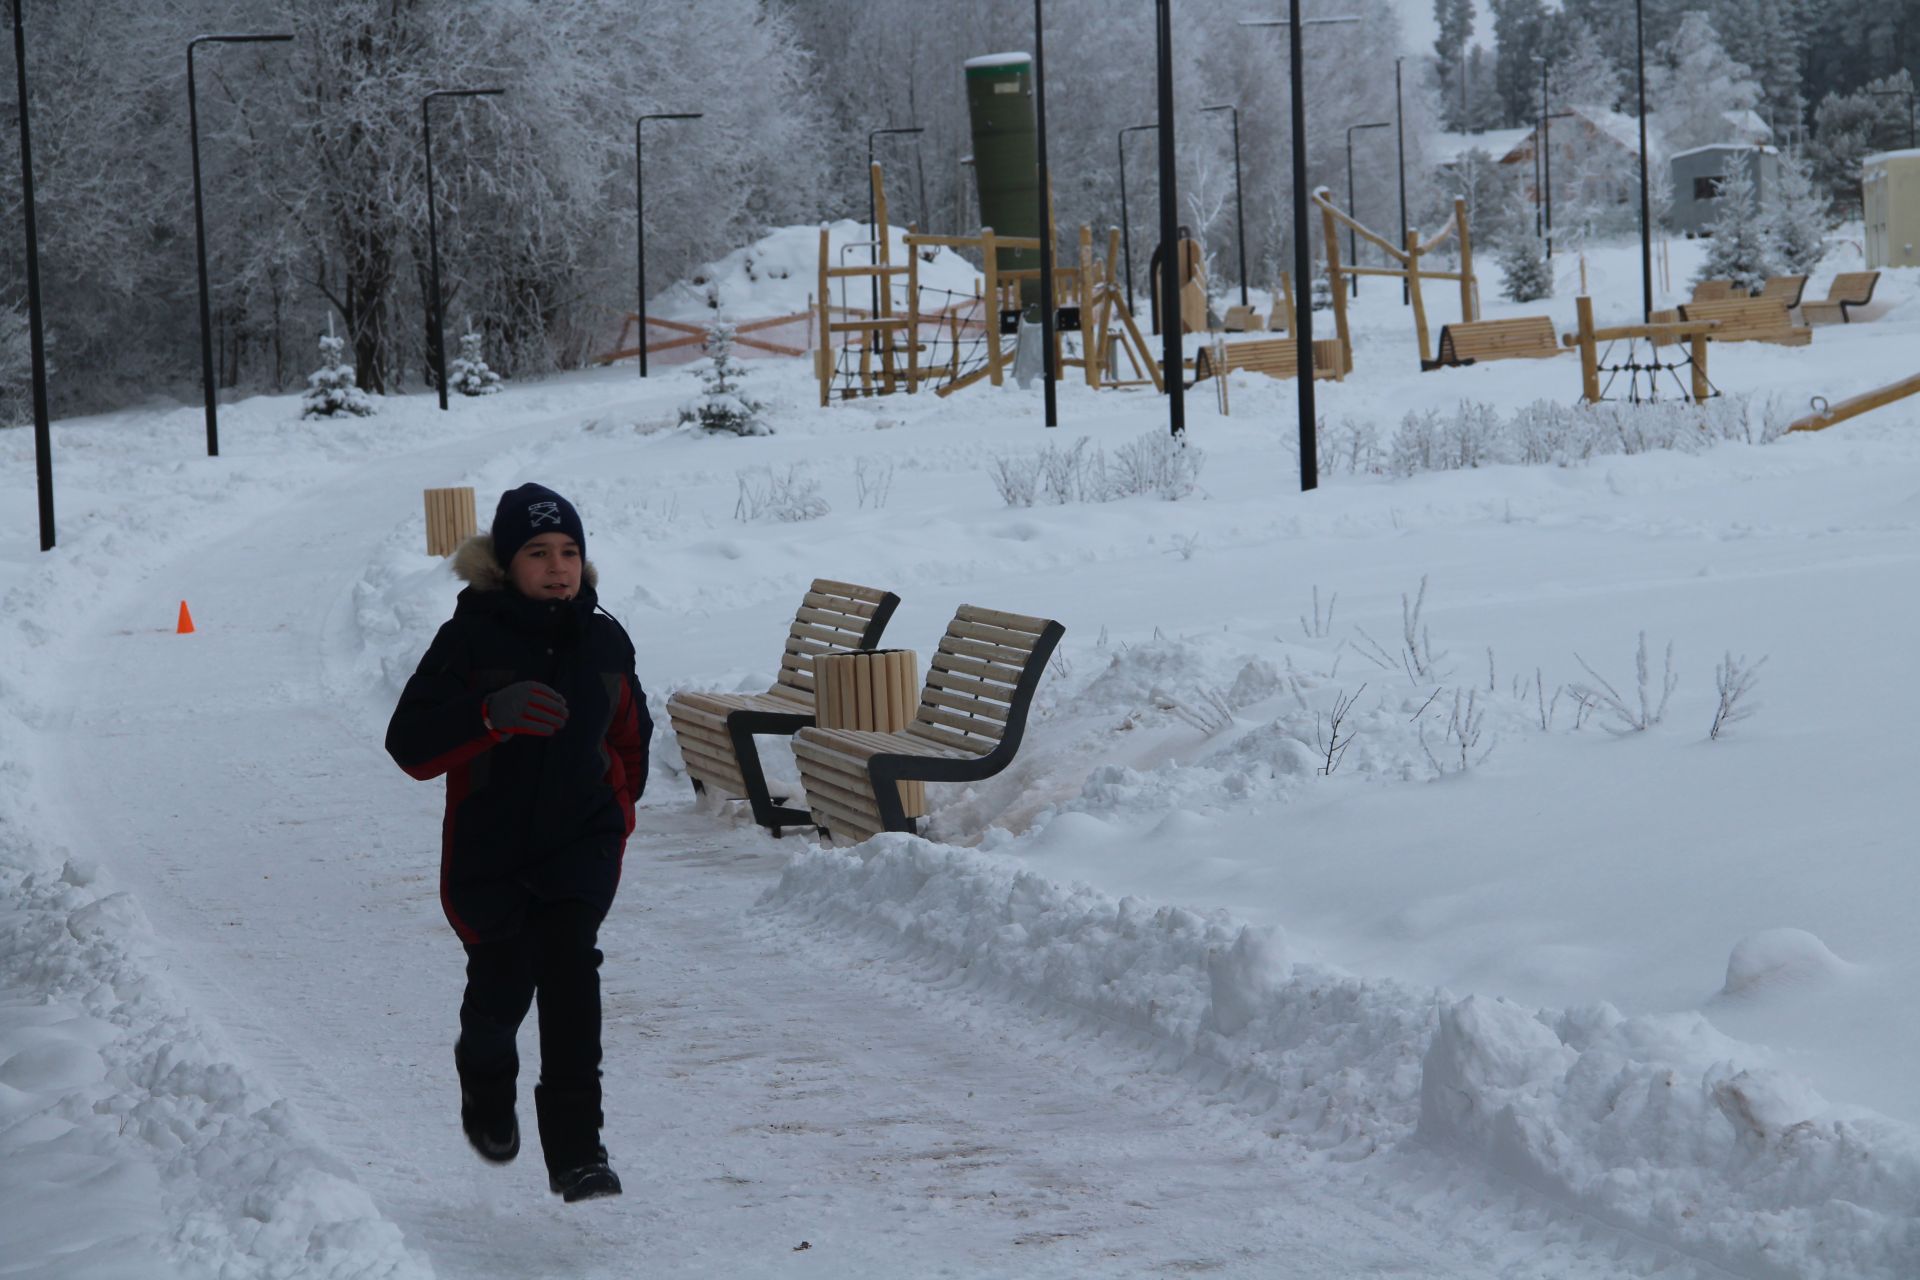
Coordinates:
[972,714]
[1275,357]
[1716,290]
[1523,337]
[1786,289]
[1849,289]
[715,730]
[1749,320]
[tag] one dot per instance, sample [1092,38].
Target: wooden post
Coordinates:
[825,358]
[450,519]
[1337,279]
[990,258]
[1589,357]
[1419,302]
[1469,304]
[1286,291]
[1087,359]
[1701,388]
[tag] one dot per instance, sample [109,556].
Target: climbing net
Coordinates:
[1644,384]
[954,329]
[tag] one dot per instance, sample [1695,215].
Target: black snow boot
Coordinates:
[589,1181]
[486,1109]
[493,1133]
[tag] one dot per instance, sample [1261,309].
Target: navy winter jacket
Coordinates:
[528,818]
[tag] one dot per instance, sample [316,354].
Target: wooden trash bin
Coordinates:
[878,691]
[450,520]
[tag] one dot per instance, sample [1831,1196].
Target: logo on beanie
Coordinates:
[543,513]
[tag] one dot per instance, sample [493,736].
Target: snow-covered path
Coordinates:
[767,1087]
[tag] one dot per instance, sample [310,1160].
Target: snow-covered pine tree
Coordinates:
[1523,259]
[469,374]
[723,406]
[1741,250]
[1796,217]
[1585,75]
[332,389]
[1697,85]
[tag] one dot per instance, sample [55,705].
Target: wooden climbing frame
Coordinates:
[1409,269]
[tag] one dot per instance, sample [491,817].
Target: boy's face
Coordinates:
[547,568]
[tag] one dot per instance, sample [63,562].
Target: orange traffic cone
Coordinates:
[185,628]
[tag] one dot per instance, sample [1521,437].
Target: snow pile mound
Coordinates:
[1775,958]
[1659,1125]
[1332,1060]
[1651,1123]
[779,274]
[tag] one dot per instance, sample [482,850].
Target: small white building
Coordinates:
[1891,181]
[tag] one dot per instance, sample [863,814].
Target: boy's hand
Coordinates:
[527,707]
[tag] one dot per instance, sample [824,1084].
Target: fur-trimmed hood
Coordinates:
[475,564]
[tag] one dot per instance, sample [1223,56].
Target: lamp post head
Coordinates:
[675,115]
[260,38]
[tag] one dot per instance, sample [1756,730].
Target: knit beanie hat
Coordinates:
[526,513]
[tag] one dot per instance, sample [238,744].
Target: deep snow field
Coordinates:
[1169,994]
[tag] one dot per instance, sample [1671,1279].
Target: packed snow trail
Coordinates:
[778,1098]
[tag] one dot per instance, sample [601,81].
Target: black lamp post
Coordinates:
[1172,341]
[1126,238]
[1400,133]
[873,215]
[1646,219]
[1046,218]
[200,228]
[1302,259]
[1353,250]
[640,220]
[36,334]
[436,340]
[1239,207]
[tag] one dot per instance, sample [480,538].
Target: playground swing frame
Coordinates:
[1409,270]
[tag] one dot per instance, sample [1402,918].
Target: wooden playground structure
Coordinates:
[957,341]
[1587,339]
[1409,270]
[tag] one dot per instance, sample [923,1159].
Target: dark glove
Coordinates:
[527,707]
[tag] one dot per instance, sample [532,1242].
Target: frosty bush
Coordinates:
[332,389]
[16,369]
[1529,274]
[788,496]
[1546,433]
[1155,463]
[723,406]
[469,374]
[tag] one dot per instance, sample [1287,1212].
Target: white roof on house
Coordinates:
[1726,146]
[1748,126]
[1447,148]
[1881,158]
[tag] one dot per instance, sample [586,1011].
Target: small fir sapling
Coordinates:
[1529,276]
[1742,246]
[469,373]
[1796,217]
[724,406]
[332,389]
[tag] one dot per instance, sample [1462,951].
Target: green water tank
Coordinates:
[1006,159]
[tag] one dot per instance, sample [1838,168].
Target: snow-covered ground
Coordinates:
[1165,995]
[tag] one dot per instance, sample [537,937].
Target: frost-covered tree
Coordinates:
[1848,128]
[15,368]
[1520,30]
[1795,217]
[1523,261]
[1741,250]
[724,406]
[1694,84]
[469,373]
[331,389]
[1454,18]
[1584,75]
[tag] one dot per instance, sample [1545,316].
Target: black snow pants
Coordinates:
[555,958]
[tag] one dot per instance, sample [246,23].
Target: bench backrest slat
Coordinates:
[1855,287]
[833,617]
[980,679]
[1786,288]
[1714,290]
[1740,317]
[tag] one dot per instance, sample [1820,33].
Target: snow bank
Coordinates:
[1659,1125]
[133,1140]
